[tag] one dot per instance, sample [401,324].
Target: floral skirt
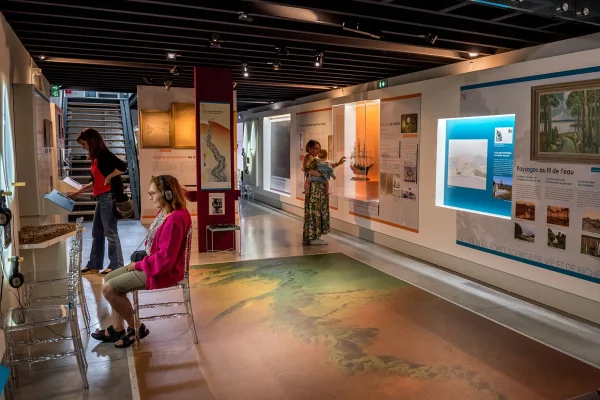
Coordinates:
[316,212]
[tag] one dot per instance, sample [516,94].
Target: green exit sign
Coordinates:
[382,84]
[55,91]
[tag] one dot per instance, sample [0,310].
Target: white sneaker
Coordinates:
[318,242]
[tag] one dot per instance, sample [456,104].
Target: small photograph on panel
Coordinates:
[525,232]
[590,246]
[409,123]
[525,210]
[467,163]
[502,187]
[557,215]
[557,239]
[410,172]
[591,221]
[409,194]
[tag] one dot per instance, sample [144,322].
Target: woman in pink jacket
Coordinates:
[162,267]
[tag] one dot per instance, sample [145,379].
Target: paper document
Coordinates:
[61,200]
[73,183]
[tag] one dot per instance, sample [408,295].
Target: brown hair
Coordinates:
[94,140]
[311,144]
[323,153]
[178,202]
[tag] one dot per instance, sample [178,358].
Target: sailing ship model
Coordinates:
[361,162]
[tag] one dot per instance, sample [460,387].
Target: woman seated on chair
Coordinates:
[162,267]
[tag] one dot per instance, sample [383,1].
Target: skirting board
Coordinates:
[557,299]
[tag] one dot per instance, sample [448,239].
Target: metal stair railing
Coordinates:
[132,157]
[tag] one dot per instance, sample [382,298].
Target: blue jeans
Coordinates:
[105,227]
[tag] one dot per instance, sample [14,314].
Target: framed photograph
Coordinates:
[216,203]
[155,129]
[184,126]
[565,126]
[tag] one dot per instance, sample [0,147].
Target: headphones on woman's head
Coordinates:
[167,191]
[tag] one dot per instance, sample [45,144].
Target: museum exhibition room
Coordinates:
[300,200]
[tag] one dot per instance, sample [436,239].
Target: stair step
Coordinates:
[109,147]
[86,203]
[76,169]
[89,177]
[86,212]
[106,113]
[77,110]
[75,104]
[105,140]
[111,121]
[94,126]
[85,162]
[100,131]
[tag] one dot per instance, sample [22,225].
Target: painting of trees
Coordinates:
[567,122]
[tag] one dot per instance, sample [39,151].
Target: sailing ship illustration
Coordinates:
[361,161]
[217,172]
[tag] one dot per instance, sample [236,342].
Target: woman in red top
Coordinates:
[107,187]
[162,267]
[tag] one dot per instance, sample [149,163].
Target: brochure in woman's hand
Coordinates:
[61,200]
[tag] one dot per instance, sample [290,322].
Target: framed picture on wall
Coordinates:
[565,122]
[184,126]
[155,129]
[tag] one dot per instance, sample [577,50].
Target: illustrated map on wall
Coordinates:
[155,128]
[567,121]
[215,145]
[184,126]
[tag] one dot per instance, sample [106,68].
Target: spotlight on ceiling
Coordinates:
[359,31]
[214,43]
[319,59]
[473,55]
[245,17]
[42,57]
[245,70]
[282,51]
[584,11]
[430,38]
[168,83]
[334,87]
[276,65]
[171,56]
[564,7]
[176,70]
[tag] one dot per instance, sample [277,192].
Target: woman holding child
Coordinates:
[316,199]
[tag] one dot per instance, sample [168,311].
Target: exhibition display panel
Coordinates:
[276,154]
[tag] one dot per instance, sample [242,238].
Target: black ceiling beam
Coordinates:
[129,14]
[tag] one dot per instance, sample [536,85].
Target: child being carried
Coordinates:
[324,167]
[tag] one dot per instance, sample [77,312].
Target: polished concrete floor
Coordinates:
[168,365]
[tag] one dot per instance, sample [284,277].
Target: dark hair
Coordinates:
[178,202]
[311,144]
[94,140]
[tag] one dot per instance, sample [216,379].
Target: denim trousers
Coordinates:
[105,227]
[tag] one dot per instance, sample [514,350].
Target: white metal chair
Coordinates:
[184,285]
[26,319]
[45,278]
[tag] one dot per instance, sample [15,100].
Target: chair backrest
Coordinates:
[188,250]
[74,273]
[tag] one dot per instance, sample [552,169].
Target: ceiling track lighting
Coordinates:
[319,59]
[245,70]
[282,51]
[473,55]
[360,32]
[564,7]
[168,83]
[585,11]
[176,70]
[430,38]
[171,56]
[276,65]
[42,57]
[245,17]
[214,42]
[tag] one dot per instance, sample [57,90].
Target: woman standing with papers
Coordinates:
[107,187]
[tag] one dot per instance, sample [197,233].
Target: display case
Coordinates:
[356,136]
[276,154]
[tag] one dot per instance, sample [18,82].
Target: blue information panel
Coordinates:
[479,164]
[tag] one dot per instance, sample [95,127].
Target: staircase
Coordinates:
[112,119]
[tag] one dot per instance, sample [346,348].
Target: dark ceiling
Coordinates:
[117,45]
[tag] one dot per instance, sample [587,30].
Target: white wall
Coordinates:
[437,227]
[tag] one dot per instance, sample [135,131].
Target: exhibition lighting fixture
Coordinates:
[473,55]
[563,8]
[319,59]
[276,65]
[245,17]
[430,38]
[168,84]
[214,41]
[171,56]
[42,57]
[245,70]
[357,30]
[175,71]
[282,51]
[585,11]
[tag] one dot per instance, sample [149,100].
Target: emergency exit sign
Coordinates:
[55,91]
[382,84]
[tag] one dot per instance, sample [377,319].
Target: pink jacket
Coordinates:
[166,264]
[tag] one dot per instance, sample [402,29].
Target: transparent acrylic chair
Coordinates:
[23,320]
[46,278]
[184,285]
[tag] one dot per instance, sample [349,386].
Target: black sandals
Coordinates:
[108,335]
[127,339]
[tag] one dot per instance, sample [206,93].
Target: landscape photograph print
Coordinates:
[557,239]
[566,122]
[590,246]
[525,232]
[557,215]
[409,123]
[467,163]
[502,187]
[590,221]
[525,210]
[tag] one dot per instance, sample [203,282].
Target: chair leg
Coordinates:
[187,299]
[84,307]
[78,346]
[136,318]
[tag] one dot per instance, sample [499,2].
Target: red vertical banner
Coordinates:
[215,147]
